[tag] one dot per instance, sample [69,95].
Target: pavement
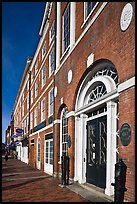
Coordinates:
[22,183]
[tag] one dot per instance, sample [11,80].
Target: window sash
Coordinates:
[43,108]
[36,88]
[64,133]
[52,61]
[51,102]
[35,116]
[66,28]
[44,50]
[43,76]
[52,31]
[89,7]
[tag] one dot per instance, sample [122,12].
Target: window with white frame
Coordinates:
[23,97]
[89,7]
[52,31]
[64,132]
[44,50]
[27,101]
[25,129]
[22,109]
[27,85]
[66,28]
[31,120]
[39,56]
[51,62]
[43,109]
[36,67]
[51,102]
[43,76]
[36,88]
[32,75]
[32,96]
[35,116]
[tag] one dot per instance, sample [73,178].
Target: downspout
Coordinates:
[55,36]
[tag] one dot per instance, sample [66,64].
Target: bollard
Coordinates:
[120,179]
[63,161]
[67,167]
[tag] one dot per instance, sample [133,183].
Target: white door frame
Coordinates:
[48,168]
[81,118]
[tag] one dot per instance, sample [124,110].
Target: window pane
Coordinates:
[67,27]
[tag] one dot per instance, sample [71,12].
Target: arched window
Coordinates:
[64,132]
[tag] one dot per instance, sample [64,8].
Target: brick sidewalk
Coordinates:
[22,183]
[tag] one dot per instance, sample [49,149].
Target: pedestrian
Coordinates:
[6,157]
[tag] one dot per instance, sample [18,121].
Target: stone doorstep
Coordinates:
[90,192]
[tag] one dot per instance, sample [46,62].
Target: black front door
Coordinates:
[96,151]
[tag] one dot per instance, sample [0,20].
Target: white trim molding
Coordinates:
[126,84]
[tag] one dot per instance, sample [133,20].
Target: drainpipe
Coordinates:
[55,35]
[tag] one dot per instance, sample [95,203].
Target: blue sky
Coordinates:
[21,23]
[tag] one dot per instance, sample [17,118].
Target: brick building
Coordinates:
[77,93]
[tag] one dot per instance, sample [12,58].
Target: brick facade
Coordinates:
[99,36]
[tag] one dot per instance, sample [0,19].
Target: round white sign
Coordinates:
[126,16]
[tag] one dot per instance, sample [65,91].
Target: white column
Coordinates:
[111,146]
[72,23]
[77,144]
[80,148]
[58,38]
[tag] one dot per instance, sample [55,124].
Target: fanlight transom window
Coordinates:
[97,92]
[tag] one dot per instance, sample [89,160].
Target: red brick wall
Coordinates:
[127,153]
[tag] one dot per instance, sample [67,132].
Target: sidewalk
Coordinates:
[22,183]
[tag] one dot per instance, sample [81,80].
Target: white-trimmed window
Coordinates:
[25,128]
[27,101]
[51,102]
[32,96]
[51,62]
[43,109]
[35,116]
[63,132]
[43,76]
[27,85]
[44,50]
[22,109]
[52,32]
[36,67]
[22,97]
[36,88]
[39,56]
[89,8]
[31,120]
[66,28]
[32,75]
